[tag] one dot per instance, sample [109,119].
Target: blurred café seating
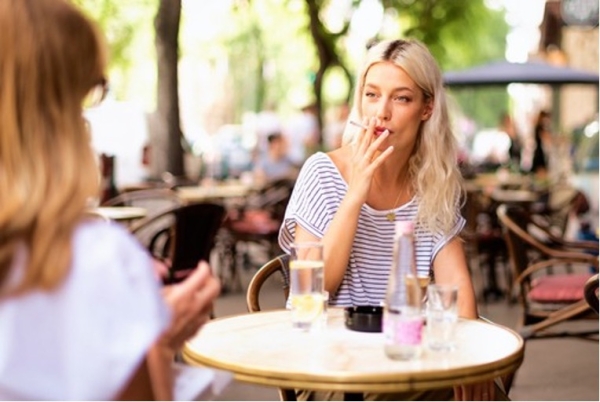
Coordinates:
[549,278]
[181,236]
[253,223]
[591,292]
[484,244]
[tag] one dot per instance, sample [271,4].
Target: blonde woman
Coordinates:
[82,314]
[400,165]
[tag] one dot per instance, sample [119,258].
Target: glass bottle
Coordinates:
[402,317]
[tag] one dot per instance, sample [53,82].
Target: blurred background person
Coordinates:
[82,313]
[334,130]
[302,134]
[543,141]
[268,121]
[276,164]
[507,125]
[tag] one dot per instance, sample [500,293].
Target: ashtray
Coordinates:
[363,318]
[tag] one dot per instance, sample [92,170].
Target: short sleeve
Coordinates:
[314,200]
[84,340]
[444,238]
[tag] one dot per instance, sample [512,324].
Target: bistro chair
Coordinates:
[278,265]
[484,243]
[181,236]
[548,297]
[254,223]
[590,291]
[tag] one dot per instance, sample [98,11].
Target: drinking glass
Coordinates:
[306,285]
[442,316]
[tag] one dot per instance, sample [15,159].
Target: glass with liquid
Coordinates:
[306,285]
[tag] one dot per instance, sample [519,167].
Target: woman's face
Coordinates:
[391,96]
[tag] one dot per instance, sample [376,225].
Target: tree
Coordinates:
[325,42]
[165,129]
[456,32]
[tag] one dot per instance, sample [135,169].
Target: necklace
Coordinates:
[391,214]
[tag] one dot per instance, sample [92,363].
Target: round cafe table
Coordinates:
[263,348]
[121,213]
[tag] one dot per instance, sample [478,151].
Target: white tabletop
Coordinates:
[263,348]
[214,191]
[121,213]
[515,196]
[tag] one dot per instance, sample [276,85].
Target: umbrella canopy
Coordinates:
[532,72]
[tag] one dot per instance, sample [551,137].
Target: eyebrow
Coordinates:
[398,89]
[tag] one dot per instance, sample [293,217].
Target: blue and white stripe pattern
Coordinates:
[318,192]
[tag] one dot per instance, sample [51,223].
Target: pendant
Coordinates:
[391,216]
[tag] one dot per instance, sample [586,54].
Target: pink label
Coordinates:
[404,332]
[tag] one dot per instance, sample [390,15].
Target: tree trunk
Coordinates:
[167,154]
[325,44]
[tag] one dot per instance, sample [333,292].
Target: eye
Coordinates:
[402,98]
[369,94]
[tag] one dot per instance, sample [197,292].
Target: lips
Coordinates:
[379,130]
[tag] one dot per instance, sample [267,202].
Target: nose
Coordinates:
[383,109]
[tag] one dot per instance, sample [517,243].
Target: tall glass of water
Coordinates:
[306,284]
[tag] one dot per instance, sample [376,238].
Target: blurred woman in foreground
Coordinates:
[82,315]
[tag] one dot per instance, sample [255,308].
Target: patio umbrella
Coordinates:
[532,72]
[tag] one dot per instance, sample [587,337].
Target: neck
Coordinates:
[393,175]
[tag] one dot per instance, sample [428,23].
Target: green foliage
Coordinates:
[271,57]
[460,34]
[127,26]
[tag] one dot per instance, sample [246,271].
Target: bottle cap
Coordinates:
[405,227]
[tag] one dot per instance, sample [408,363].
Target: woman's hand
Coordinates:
[191,303]
[365,160]
[482,391]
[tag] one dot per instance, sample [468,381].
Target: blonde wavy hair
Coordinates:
[52,56]
[433,166]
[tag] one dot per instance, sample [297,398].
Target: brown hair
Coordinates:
[51,57]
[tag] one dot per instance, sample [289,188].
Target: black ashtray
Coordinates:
[363,318]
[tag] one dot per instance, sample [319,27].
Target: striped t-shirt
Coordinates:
[317,195]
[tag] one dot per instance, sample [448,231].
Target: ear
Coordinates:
[427,110]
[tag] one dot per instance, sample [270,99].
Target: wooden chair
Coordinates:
[257,223]
[590,291]
[279,264]
[548,298]
[484,244]
[181,236]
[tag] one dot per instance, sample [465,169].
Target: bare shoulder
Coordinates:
[341,159]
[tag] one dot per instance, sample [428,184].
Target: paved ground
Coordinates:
[553,369]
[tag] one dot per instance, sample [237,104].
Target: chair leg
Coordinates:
[557,317]
[286,394]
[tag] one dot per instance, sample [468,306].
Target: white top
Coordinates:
[84,340]
[317,195]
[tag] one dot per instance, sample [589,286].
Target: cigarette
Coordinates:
[357,124]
